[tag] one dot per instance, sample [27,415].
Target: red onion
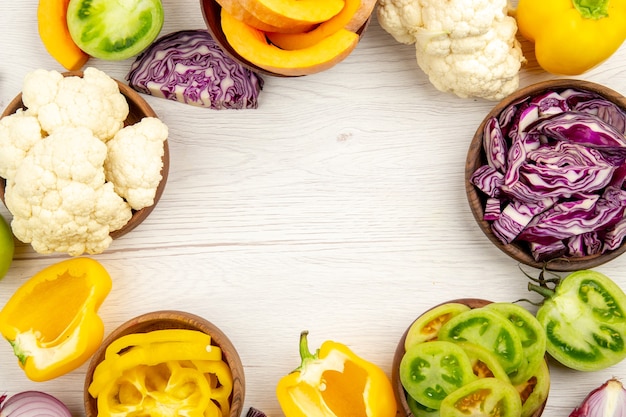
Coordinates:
[32,404]
[608,400]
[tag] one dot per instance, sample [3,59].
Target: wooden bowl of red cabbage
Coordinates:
[545,175]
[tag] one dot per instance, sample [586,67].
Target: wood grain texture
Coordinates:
[338,206]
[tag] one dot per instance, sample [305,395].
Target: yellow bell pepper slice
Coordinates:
[152,354]
[156,336]
[334,382]
[572,36]
[52,322]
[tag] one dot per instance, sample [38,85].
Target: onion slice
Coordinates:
[608,400]
[32,404]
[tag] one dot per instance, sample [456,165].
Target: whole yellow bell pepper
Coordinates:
[52,322]
[572,36]
[334,382]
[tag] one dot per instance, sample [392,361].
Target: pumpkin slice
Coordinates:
[290,13]
[293,41]
[53,31]
[252,45]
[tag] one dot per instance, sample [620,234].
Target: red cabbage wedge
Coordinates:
[554,173]
[188,66]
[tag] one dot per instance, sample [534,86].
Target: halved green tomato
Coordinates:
[114,29]
[483,397]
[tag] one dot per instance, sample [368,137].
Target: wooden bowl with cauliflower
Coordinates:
[83,160]
[545,175]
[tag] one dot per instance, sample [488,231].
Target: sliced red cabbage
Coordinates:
[494,145]
[188,66]
[583,128]
[563,192]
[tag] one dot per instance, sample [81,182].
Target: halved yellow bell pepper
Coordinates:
[572,36]
[334,382]
[52,322]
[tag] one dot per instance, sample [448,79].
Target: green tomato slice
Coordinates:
[585,321]
[534,391]
[532,336]
[420,410]
[114,29]
[483,397]
[430,371]
[485,364]
[489,330]
[426,327]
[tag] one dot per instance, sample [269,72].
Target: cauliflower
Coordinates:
[59,198]
[134,161]
[18,133]
[466,47]
[53,153]
[92,101]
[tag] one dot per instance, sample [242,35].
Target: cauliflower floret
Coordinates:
[93,101]
[466,47]
[18,133]
[401,18]
[134,161]
[59,198]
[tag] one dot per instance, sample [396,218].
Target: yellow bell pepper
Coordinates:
[572,36]
[334,382]
[52,322]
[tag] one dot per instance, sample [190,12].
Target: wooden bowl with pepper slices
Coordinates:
[589,248]
[435,317]
[166,348]
[138,108]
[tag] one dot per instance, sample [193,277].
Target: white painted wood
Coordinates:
[337,206]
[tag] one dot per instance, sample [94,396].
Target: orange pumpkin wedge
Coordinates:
[251,44]
[53,31]
[291,41]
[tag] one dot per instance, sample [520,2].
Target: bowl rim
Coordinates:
[398,389]
[134,100]
[170,319]
[475,158]
[215,30]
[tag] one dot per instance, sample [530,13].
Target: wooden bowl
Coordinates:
[138,109]
[211,10]
[400,393]
[171,319]
[476,157]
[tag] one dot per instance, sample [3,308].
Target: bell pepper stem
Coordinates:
[305,353]
[592,9]
[545,292]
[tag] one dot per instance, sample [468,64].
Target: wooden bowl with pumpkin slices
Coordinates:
[274,37]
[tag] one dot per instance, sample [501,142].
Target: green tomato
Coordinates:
[532,335]
[485,364]
[488,329]
[7,247]
[534,391]
[483,397]
[430,371]
[114,29]
[420,410]
[584,318]
[426,327]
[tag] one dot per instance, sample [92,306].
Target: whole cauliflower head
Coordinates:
[19,132]
[93,101]
[466,47]
[134,161]
[59,198]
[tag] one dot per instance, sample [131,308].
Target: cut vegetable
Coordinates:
[188,66]
[114,30]
[55,35]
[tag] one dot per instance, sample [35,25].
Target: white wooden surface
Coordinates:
[337,206]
